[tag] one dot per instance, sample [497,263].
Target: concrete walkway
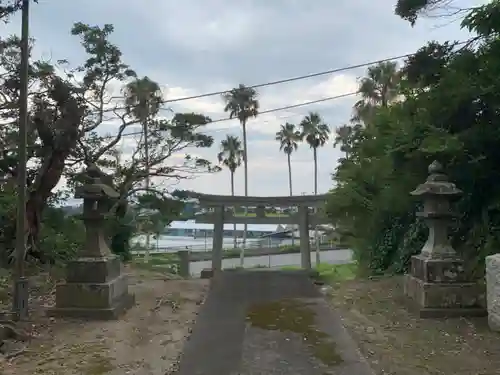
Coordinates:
[268,323]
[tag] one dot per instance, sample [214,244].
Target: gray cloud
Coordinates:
[194,46]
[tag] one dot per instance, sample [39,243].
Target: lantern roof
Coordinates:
[95,187]
[437,184]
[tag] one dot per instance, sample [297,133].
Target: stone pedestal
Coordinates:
[95,289]
[207,273]
[439,288]
[437,285]
[493,291]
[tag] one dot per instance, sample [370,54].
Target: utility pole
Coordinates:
[20,295]
[146,152]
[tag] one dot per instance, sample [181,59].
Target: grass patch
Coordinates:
[161,260]
[332,272]
[337,272]
[289,249]
[168,263]
[231,253]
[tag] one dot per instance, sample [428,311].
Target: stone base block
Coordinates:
[93,300]
[207,273]
[431,313]
[433,300]
[119,307]
[430,270]
[91,295]
[93,270]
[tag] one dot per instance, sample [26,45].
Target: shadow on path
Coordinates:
[268,323]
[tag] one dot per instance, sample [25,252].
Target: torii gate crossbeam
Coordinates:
[219,216]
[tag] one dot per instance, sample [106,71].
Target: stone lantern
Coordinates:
[438,284]
[95,286]
[98,199]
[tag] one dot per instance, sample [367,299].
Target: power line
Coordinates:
[261,112]
[298,78]
[286,80]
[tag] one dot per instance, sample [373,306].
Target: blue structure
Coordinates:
[190,228]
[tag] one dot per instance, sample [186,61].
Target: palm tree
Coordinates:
[379,88]
[316,133]
[143,98]
[231,155]
[241,103]
[342,137]
[288,137]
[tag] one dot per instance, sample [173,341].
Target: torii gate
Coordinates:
[219,216]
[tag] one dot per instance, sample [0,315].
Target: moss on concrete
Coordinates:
[295,316]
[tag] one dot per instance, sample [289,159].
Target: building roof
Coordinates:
[191,224]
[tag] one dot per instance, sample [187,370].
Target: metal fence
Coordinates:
[182,264]
[250,245]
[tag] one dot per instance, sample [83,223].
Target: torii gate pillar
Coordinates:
[305,246]
[218,239]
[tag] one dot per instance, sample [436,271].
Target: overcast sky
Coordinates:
[197,46]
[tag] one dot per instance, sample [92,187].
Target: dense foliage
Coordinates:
[447,108]
[79,115]
[441,104]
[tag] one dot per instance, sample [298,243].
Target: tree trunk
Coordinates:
[34,209]
[290,174]
[53,164]
[291,191]
[121,232]
[235,237]
[315,154]
[245,168]
[46,181]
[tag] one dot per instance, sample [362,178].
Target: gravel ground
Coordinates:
[397,342]
[146,341]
